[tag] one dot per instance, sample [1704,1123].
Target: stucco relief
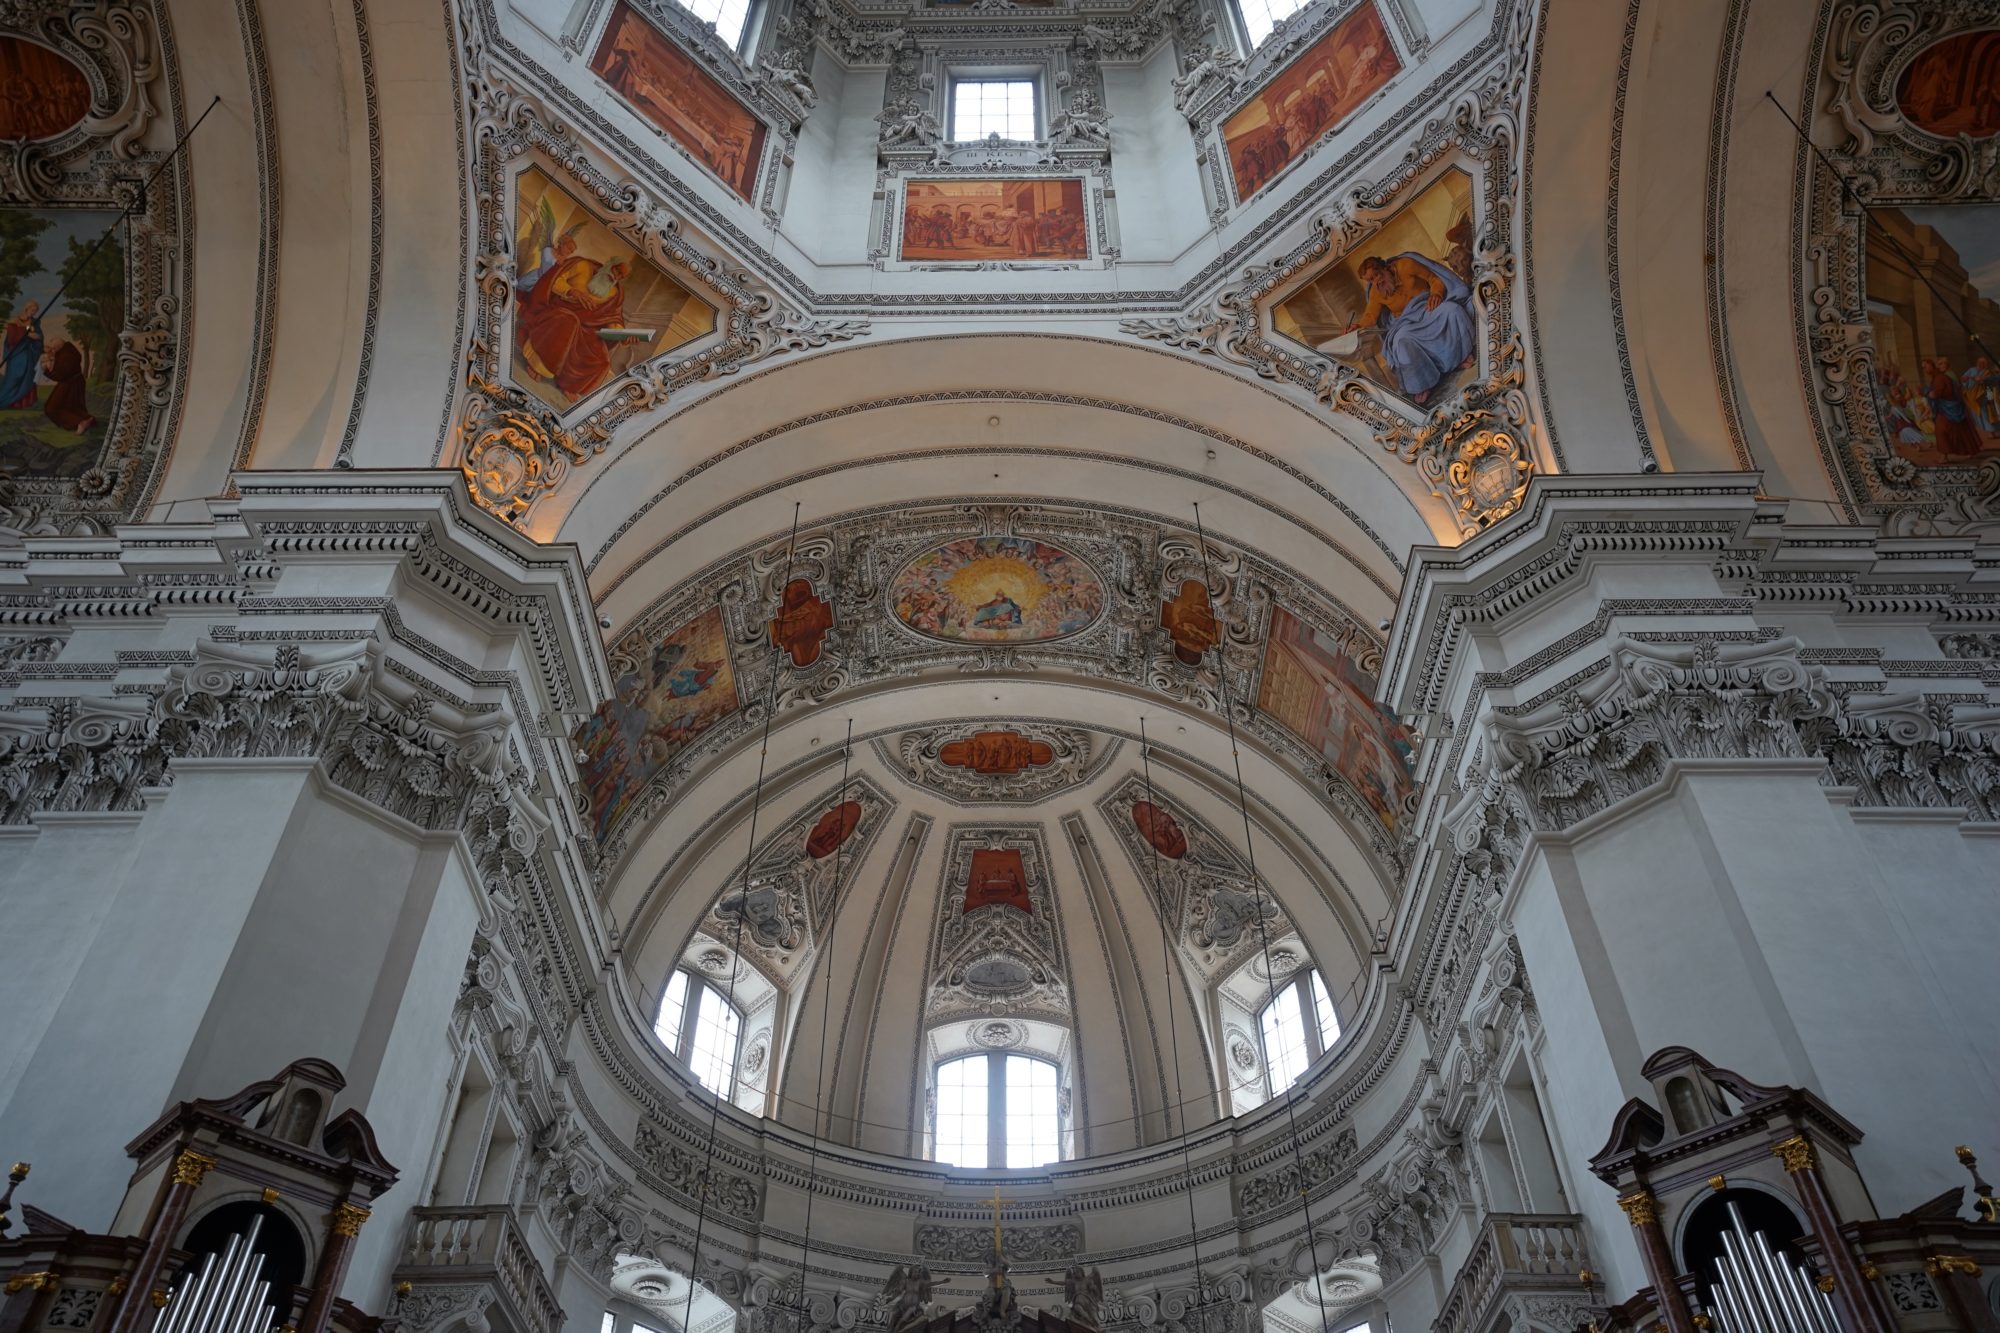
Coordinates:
[1468,428]
[997,949]
[98,457]
[1903,409]
[1073,757]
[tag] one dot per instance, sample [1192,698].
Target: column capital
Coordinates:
[190,1165]
[1640,1207]
[1796,1153]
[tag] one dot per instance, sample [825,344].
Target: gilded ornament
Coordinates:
[159,1298]
[191,1166]
[1795,1153]
[39,1281]
[1940,1265]
[270,1195]
[1870,1272]
[1640,1208]
[1717,1183]
[347,1219]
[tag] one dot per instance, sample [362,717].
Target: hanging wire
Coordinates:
[1173,1021]
[825,1008]
[736,945]
[1263,934]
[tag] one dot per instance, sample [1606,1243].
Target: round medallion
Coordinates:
[1948,90]
[998,976]
[46,93]
[997,590]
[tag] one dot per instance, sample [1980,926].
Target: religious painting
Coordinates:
[1953,87]
[59,366]
[667,693]
[1190,622]
[1160,830]
[587,306]
[1316,92]
[1397,309]
[666,86]
[997,590]
[998,875]
[996,753]
[802,621]
[975,220]
[41,93]
[1933,289]
[835,827]
[1314,689]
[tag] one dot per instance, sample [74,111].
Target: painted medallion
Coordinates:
[44,94]
[998,875]
[997,753]
[997,590]
[1953,86]
[833,829]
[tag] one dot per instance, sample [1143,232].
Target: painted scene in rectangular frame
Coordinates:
[1318,90]
[665,85]
[1004,218]
[1317,692]
[1936,381]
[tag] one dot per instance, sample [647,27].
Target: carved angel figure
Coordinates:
[1085,122]
[906,121]
[1083,1292]
[909,1291]
[792,80]
[1202,66]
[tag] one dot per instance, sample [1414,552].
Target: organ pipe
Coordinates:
[228,1294]
[1758,1290]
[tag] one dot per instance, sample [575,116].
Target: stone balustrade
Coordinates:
[1531,1262]
[450,1253]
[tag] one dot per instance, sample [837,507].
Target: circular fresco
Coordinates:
[46,94]
[997,590]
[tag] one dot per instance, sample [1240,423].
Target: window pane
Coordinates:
[673,1007]
[961,1112]
[610,1323]
[1329,1022]
[1260,16]
[714,1055]
[726,15]
[1034,1134]
[1284,1039]
[1005,107]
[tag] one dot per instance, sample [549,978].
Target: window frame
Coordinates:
[996,1108]
[1031,75]
[683,1044]
[750,16]
[1301,985]
[1252,43]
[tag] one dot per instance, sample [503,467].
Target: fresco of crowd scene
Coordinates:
[670,90]
[1935,341]
[994,219]
[1316,92]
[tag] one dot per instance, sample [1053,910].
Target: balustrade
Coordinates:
[1535,1258]
[463,1246]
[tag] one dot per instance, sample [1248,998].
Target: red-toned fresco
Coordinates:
[1315,689]
[998,876]
[1160,829]
[1190,622]
[1953,86]
[690,107]
[835,827]
[1316,92]
[996,753]
[41,93]
[801,623]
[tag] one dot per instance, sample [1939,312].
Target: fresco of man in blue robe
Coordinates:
[1424,313]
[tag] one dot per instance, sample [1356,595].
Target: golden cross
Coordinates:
[996,1201]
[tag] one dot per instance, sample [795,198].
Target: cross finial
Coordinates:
[996,1201]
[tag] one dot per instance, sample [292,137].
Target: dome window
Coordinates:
[997,1110]
[1261,17]
[1299,1026]
[984,107]
[699,1025]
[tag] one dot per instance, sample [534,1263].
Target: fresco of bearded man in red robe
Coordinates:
[559,322]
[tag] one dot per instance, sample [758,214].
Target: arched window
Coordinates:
[730,17]
[1299,1026]
[997,1110]
[1261,16]
[699,1024]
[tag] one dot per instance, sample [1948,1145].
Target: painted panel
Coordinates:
[1935,376]
[998,875]
[1398,308]
[997,590]
[44,94]
[801,624]
[1318,693]
[1317,91]
[666,695]
[663,84]
[59,366]
[971,220]
[587,306]
[1953,87]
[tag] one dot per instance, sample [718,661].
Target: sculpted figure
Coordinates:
[909,1292]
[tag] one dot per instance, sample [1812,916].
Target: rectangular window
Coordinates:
[1284,1040]
[728,16]
[1329,1022]
[673,1008]
[1261,16]
[961,1112]
[981,107]
[610,1323]
[714,1055]
[1034,1129]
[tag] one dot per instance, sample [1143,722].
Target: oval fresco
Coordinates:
[1953,86]
[46,94]
[997,590]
